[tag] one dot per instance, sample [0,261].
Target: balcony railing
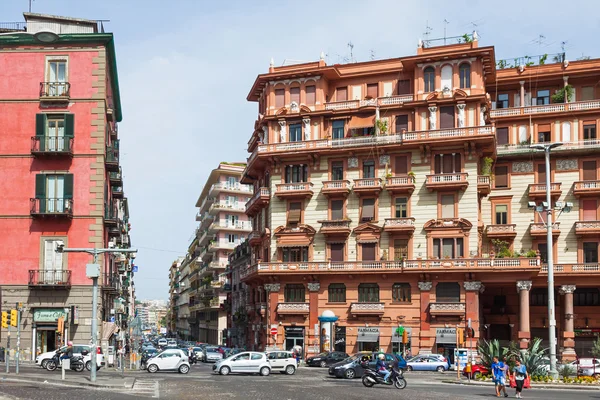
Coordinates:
[59,207]
[484,184]
[501,230]
[382,101]
[587,228]
[226,206]
[582,188]
[115,177]
[369,183]
[49,278]
[399,184]
[443,308]
[342,186]
[456,180]
[512,149]
[230,187]
[579,268]
[399,224]
[112,157]
[293,189]
[367,308]
[55,90]
[260,198]
[539,228]
[548,108]
[539,189]
[292,308]
[117,191]
[55,145]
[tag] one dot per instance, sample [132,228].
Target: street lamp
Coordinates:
[92,271]
[547,147]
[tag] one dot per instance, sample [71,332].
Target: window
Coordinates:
[341,94]
[295,213]
[337,170]
[400,249]
[502,101]
[404,86]
[587,93]
[429,79]
[54,131]
[501,176]
[541,173]
[257,356]
[447,292]
[590,209]
[311,95]
[589,170]
[338,129]
[501,136]
[57,71]
[53,261]
[589,132]
[368,251]
[465,76]
[296,173]
[296,133]
[447,117]
[501,213]
[586,297]
[543,97]
[232,220]
[401,166]
[448,248]
[544,137]
[538,297]
[336,293]
[337,210]
[336,252]
[231,238]
[401,292]
[368,210]
[543,248]
[54,192]
[294,254]
[372,90]
[368,293]
[401,123]
[368,169]
[448,209]
[295,95]
[294,293]
[401,207]
[590,252]
[447,163]
[279,97]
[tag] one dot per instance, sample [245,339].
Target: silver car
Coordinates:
[249,362]
[211,354]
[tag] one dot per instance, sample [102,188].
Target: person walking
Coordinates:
[499,375]
[520,374]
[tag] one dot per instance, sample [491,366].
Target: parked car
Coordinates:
[477,370]
[283,362]
[326,358]
[211,354]
[429,362]
[249,362]
[351,367]
[169,360]
[43,358]
[586,366]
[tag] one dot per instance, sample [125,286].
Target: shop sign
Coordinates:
[49,315]
[445,335]
[368,331]
[591,332]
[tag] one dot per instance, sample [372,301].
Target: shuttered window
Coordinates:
[590,209]
[311,95]
[401,123]
[447,117]
[368,210]
[587,93]
[447,292]
[501,176]
[295,212]
[401,166]
[279,97]
[337,209]
[401,292]
[447,201]
[502,136]
[368,293]
[404,86]
[336,252]
[294,293]
[465,76]
[295,95]
[372,90]
[336,293]
[341,94]
[368,251]
[429,79]
[589,170]
[541,173]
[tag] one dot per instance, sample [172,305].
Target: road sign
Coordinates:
[273,331]
[112,319]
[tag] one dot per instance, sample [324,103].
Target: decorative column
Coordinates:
[482,110]
[306,123]
[433,118]
[265,134]
[425,335]
[522,94]
[282,131]
[313,315]
[523,287]
[473,289]
[461,115]
[272,290]
[568,353]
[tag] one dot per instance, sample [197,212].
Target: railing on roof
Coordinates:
[466,38]
[12,26]
[528,61]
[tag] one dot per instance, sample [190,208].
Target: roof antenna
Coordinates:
[428,30]
[372,55]
[540,40]
[351,49]
[446,22]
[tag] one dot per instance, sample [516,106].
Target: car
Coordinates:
[172,342]
[283,362]
[428,362]
[169,360]
[211,354]
[326,358]
[477,370]
[78,349]
[586,366]
[162,342]
[248,362]
[351,367]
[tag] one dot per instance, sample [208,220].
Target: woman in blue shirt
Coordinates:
[520,374]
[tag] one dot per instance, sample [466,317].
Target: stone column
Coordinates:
[482,110]
[313,316]
[425,335]
[306,123]
[568,353]
[282,131]
[523,287]
[472,291]
[522,94]
[271,312]
[433,118]
[461,115]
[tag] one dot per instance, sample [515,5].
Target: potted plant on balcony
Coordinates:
[382,127]
[412,176]
[563,95]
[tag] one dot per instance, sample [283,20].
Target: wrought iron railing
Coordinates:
[55,89]
[51,206]
[52,144]
[49,277]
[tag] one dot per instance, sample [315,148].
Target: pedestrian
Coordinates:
[120,356]
[520,374]
[498,373]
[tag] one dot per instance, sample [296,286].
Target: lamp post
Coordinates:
[547,147]
[93,271]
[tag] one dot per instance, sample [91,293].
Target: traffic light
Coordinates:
[13,317]
[405,337]
[460,334]
[61,325]
[5,320]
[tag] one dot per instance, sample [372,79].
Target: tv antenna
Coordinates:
[372,54]
[446,22]
[562,45]
[540,40]
[351,46]
[428,30]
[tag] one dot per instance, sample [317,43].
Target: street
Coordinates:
[312,383]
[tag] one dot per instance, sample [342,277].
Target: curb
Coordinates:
[66,383]
[536,386]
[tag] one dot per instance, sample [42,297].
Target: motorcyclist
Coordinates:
[381,367]
[68,352]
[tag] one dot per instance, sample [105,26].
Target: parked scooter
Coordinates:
[77,364]
[372,377]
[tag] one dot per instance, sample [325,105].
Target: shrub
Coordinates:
[566,371]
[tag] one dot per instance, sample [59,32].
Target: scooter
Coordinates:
[76,363]
[371,378]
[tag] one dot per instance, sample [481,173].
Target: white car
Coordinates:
[169,360]
[43,358]
[162,342]
[282,361]
[172,342]
[248,362]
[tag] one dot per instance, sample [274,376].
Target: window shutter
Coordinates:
[589,170]
[368,251]
[40,124]
[446,117]
[288,174]
[295,95]
[437,168]
[401,123]
[368,211]
[447,164]
[404,86]
[501,177]
[541,173]
[337,252]
[337,209]
[279,97]
[341,94]
[457,162]
[448,206]
[69,125]
[401,165]
[311,97]
[40,186]
[68,189]
[372,90]
[502,136]
[590,208]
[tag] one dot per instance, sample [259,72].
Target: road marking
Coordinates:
[146,387]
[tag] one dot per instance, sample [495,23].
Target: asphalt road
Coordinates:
[308,383]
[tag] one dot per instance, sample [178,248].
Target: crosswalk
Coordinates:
[146,388]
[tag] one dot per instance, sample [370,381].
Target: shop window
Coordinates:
[336,293]
[294,293]
[447,292]
[401,292]
[368,293]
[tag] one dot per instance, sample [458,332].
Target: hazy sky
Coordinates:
[186,66]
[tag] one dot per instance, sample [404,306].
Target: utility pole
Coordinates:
[19,307]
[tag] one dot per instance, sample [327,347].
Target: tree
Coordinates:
[163,321]
[596,348]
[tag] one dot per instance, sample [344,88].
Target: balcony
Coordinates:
[294,190]
[111,214]
[447,309]
[56,207]
[117,191]
[226,206]
[367,186]
[484,185]
[55,92]
[506,231]
[538,229]
[207,202]
[112,283]
[229,187]
[292,308]
[587,228]
[590,105]
[112,158]
[569,147]
[538,190]
[375,308]
[51,146]
[51,279]
[401,225]
[454,181]
[381,101]
[217,266]
[586,188]
[116,177]
[571,269]
[335,227]
[259,200]
[400,184]
[245,226]
[336,188]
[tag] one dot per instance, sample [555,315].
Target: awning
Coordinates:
[398,338]
[108,329]
[368,335]
[445,336]
[298,243]
[361,122]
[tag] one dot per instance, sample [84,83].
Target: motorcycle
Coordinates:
[77,364]
[372,377]
[192,358]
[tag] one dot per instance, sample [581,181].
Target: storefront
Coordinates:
[339,343]
[445,342]
[45,329]
[397,346]
[368,339]
[584,341]
[294,336]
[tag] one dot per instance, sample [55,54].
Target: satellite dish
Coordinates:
[45,36]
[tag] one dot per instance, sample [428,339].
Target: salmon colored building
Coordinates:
[395,193]
[60,179]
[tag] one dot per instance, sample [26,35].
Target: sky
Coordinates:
[186,66]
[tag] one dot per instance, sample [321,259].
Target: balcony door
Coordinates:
[589,170]
[56,134]
[590,252]
[57,76]
[55,193]
[53,263]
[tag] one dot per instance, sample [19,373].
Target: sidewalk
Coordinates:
[534,385]
[72,378]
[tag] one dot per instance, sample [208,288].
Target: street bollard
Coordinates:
[469,369]
[66,364]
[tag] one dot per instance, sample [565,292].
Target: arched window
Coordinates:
[465,76]
[446,77]
[447,292]
[401,292]
[429,78]
[368,293]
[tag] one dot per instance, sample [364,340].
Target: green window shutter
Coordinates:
[68,188]
[41,122]
[40,186]
[69,125]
